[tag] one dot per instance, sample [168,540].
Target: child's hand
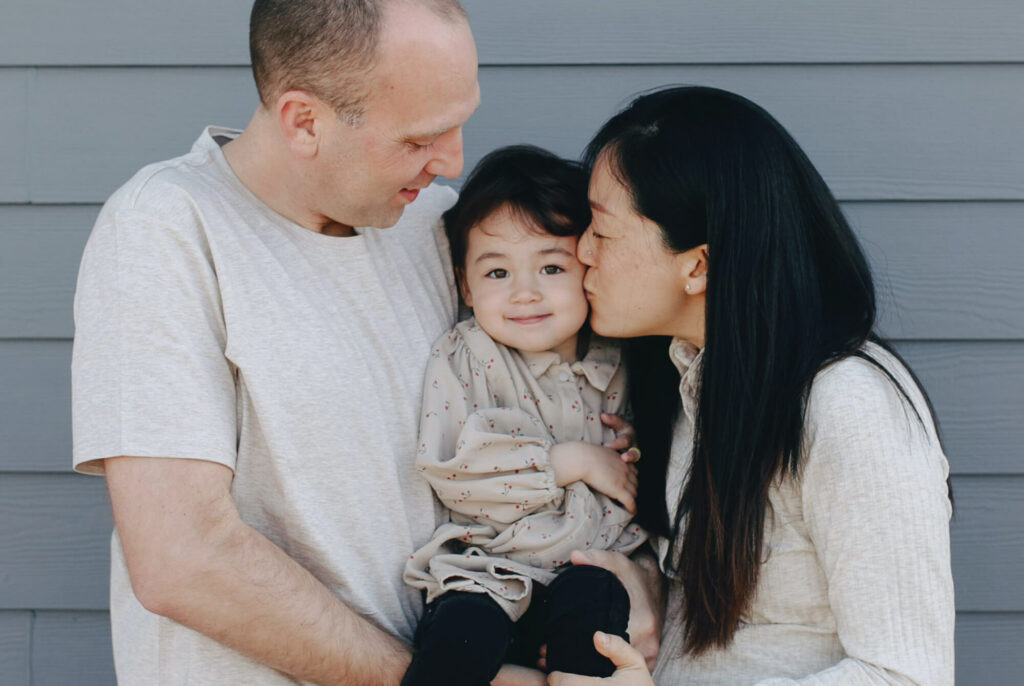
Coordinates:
[601,468]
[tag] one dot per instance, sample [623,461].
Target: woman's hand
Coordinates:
[642,580]
[631,669]
[625,436]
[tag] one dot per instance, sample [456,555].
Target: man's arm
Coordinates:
[192,559]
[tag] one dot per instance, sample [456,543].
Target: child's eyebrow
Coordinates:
[490,256]
[556,250]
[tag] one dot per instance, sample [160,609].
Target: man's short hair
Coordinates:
[325,47]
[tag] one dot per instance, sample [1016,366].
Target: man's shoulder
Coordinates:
[168,182]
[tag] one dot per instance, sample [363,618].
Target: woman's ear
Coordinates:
[693,265]
[298,116]
[460,278]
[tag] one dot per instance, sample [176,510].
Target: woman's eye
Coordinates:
[496,274]
[551,269]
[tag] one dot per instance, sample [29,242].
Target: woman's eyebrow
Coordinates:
[598,207]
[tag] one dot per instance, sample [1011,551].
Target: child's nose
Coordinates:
[525,291]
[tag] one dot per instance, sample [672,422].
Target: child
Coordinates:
[511,439]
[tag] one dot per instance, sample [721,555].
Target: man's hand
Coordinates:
[514,675]
[642,579]
[630,668]
[601,468]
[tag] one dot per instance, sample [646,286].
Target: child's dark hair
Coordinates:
[542,189]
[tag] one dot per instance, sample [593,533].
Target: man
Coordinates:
[248,360]
[247,363]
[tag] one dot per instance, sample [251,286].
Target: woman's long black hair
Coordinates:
[788,291]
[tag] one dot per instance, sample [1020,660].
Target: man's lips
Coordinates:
[533,319]
[409,193]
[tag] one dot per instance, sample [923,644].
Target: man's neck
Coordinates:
[260,162]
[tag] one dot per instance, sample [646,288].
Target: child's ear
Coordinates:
[460,278]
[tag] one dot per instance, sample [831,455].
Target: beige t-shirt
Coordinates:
[490,414]
[210,327]
[856,588]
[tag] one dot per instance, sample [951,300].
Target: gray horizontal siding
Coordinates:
[54,548]
[54,542]
[977,389]
[988,649]
[912,247]
[72,648]
[15,647]
[14,102]
[909,132]
[195,32]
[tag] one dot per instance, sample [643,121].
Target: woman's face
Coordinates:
[635,284]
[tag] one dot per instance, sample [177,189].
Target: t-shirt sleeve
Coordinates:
[149,375]
[876,506]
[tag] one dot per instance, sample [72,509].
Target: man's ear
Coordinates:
[299,116]
[693,269]
[460,278]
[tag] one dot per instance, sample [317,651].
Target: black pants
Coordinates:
[464,638]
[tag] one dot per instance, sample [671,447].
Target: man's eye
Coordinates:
[496,274]
[551,269]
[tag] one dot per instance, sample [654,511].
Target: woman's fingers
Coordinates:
[631,670]
[618,650]
[625,434]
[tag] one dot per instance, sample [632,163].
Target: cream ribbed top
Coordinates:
[856,587]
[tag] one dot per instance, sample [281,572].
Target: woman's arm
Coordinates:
[876,506]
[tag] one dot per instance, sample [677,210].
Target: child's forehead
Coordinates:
[518,237]
[512,226]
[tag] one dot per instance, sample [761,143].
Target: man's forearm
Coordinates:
[263,604]
[192,559]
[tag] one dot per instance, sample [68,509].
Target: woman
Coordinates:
[791,462]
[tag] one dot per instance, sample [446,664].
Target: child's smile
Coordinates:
[525,286]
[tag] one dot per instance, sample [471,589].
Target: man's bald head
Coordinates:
[325,47]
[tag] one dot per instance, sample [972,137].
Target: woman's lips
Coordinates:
[409,193]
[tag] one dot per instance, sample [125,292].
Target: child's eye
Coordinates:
[496,274]
[551,269]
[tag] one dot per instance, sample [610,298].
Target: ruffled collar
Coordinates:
[688,359]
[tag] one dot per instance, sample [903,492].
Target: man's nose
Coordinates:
[448,160]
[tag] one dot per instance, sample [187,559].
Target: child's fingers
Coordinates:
[631,455]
